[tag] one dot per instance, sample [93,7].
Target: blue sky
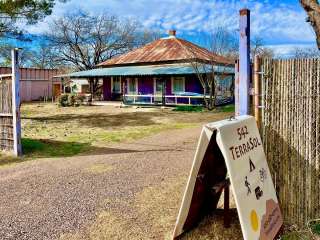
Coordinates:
[281,24]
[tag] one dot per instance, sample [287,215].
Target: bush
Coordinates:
[71,100]
[63,100]
[79,99]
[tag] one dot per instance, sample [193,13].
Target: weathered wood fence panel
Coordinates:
[6,116]
[10,125]
[290,128]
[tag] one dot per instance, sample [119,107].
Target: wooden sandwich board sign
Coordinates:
[232,147]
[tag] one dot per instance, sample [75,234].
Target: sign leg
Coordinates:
[226,211]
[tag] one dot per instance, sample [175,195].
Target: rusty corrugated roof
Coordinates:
[166,50]
[149,70]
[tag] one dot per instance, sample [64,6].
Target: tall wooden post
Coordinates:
[16,103]
[244,62]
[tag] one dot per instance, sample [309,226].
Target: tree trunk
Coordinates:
[91,90]
[312,8]
[210,103]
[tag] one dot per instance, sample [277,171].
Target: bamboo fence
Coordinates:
[6,117]
[290,128]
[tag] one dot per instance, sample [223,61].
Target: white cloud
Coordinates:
[275,22]
[286,50]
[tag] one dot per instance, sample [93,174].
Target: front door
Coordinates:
[159,90]
[56,90]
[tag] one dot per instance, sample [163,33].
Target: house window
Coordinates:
[159,86]
[178,84]
[132,84]
[116,85]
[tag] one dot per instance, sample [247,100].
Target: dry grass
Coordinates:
[8,158]
[52,131]
[152,215]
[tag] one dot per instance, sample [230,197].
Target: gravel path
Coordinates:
[45,198]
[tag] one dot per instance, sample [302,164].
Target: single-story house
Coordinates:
[37,84]
[161,72]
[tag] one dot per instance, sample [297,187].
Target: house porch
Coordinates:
[155,90]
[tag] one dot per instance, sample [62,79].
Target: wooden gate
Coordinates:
[6,116]
[290,128]
[10,126]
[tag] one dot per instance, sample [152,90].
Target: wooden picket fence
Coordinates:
[290,127]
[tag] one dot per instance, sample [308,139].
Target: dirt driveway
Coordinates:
[130,191]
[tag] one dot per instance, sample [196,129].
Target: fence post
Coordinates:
[16,103]
[256,84]
[244,62]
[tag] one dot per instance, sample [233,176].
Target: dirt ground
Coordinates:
[124,189]
[132,192]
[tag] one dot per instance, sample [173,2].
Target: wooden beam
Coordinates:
[17,149]
[6,115]
[226,206]
[244,62]
[220,186]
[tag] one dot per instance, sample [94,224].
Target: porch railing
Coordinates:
[151,99]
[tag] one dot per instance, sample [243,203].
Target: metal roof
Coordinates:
[166,50]
[165,69]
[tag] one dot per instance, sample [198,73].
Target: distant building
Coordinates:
[37,84]
[157,73]
[79,86]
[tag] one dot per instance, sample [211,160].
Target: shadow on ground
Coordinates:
[102,120]
[44,148]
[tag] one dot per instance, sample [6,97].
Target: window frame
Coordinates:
[155,85]
[136,86]
[112,84]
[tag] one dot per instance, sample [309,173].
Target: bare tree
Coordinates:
[305,53]
[43,57]
[214,69]
[258,48]
[5,56]
[83,41]
[210,75]
[221,41]
[312,8]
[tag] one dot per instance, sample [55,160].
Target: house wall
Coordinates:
[145,85]
[168,85]
[35,83]
[193,84]
[77,85]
